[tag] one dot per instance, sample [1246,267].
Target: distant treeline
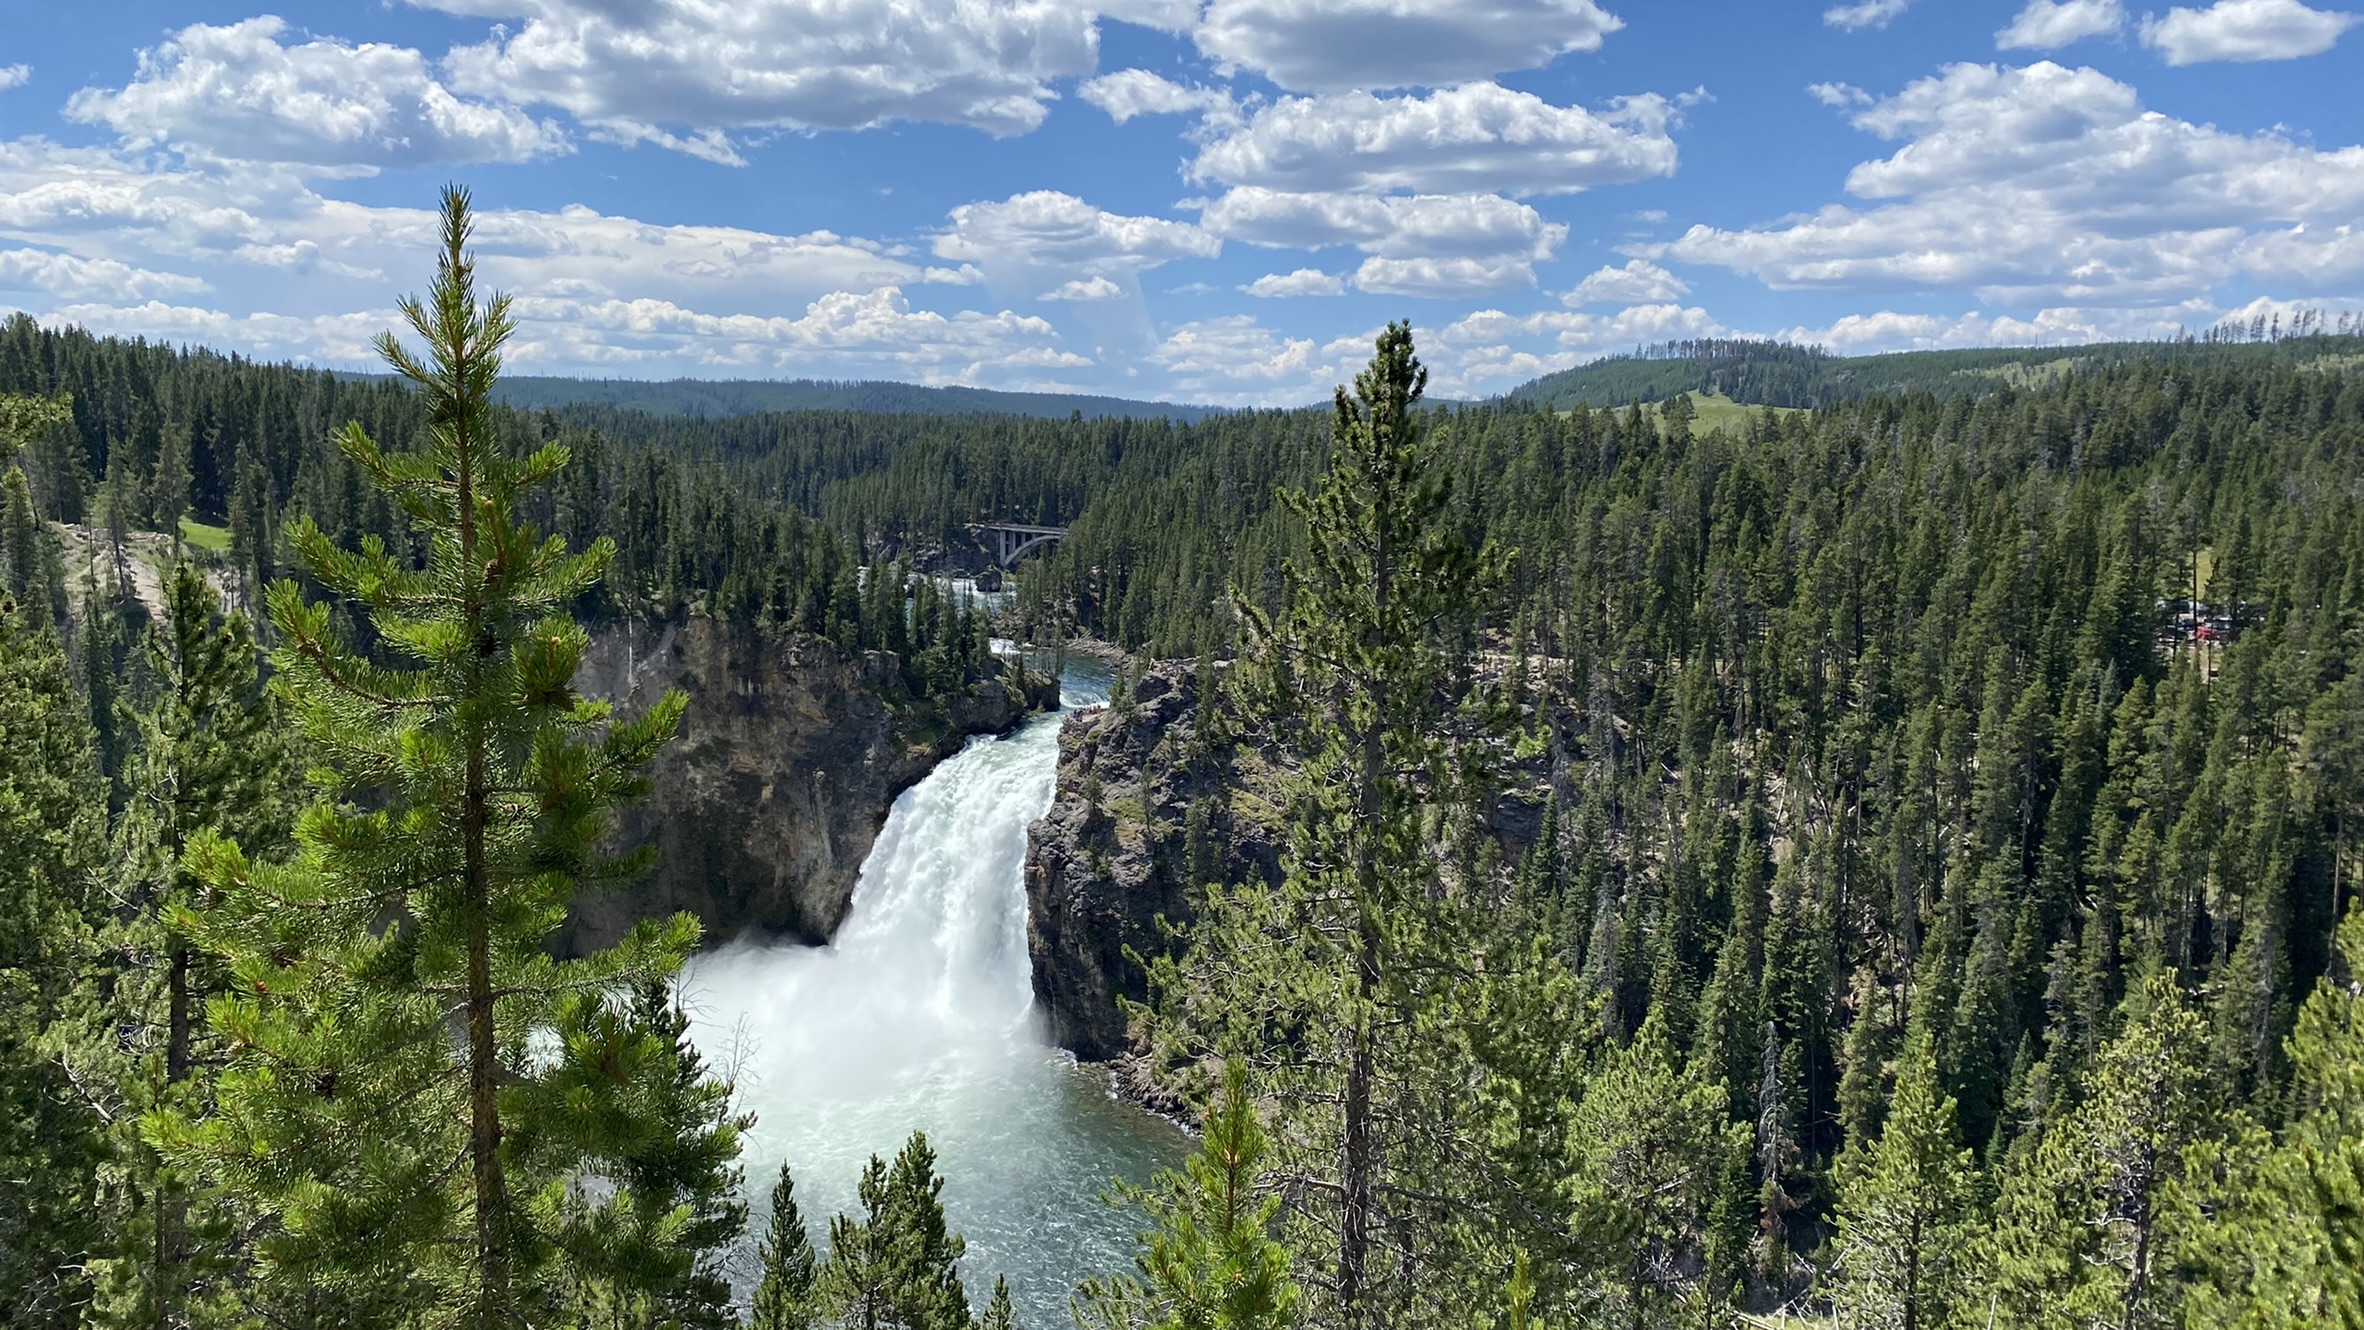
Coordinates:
[160,434]
[738,397]
[1768,373]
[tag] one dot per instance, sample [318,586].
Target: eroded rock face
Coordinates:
[1144,809]
[766,805]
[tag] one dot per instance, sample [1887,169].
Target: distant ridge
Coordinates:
[742,397]
[1766,373]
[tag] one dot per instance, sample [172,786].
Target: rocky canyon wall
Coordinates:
[789,758]
[1153,799]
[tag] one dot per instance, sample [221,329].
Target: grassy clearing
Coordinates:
[2019,374]
[1714,411]
[212,539]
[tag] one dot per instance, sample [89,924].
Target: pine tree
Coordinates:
[1315,980]
[2086,1226]
[2289,1251]
[168,489]
[1904,1209]
[25,420]
[896,1267]
[1210,1260]
[999,1313]
[784,1296]
[52,812]
[649,1141]
[213,760]
[23,543]
[378,1068]
[1649,1146]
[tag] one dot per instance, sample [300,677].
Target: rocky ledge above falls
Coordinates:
[1145,807]
[789,758]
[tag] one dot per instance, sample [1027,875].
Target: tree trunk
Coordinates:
[171,1210]
[484,1109]
[1356,1164]
[484,1106]
[1354,1173]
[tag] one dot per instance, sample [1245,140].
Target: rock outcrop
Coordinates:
[789,758]
[1145,808]
[1148,804]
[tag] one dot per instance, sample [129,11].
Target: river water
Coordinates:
[920,1017]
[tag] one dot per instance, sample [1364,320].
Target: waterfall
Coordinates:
[920,1016]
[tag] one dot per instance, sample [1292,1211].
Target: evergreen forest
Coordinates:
[1940,911]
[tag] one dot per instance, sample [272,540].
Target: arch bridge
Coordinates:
[1013,541]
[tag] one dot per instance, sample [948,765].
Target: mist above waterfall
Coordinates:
[920,1018]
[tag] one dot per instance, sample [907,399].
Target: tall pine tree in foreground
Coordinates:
[784,1296]
[1904,1209]
[213,759]
[650,1145]
[1649,1144]
[896,1267]
[52,816]
[1322,980]
[391,982]
[2291,1250]
[2090,1228]
[1209,1261]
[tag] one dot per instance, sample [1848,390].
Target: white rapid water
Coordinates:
[920,1018]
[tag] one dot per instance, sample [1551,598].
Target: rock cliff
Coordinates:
[1146,806]
[789,758]
[1151,799]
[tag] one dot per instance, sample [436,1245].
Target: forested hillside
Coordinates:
[1763,373]
[156,437]
[740,397]
[1938,895]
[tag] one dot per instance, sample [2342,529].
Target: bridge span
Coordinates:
[1013,541]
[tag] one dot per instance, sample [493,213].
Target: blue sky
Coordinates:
[1213,200]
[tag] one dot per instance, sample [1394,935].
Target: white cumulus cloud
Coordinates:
[2245,30]
[1085,289]
[1423,244]
[1479,136]
[1866,14]
[12,76]
[1889,330]
[1045,231]
[75,278]
[844,333]
[2048,25]
[1302,282]
[1443,278]
[1639,282]
[122,240]
[1337,45]
[1134,92]
[687,73]
[2052,185]
[242,93]
[1234,360]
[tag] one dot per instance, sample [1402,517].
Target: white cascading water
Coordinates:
[920,1017]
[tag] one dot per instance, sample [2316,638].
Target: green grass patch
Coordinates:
[212,539]
[1714,411]
[2037,374]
